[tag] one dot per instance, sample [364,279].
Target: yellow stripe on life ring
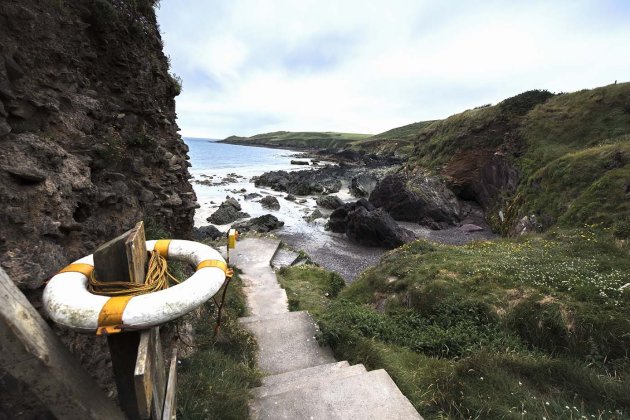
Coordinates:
[213,263]
[110,317]
[161,246]
[85,269]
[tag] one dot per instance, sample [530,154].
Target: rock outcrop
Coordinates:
[88,139]
[270,202]
[88,142]
[262,224]
[365,224]
[228,212]
[362,185]
[417,198]
[321,181]
[329,202]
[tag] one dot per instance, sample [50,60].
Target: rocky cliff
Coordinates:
[88,139]
[88,146]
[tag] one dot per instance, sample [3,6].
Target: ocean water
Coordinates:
[218,160]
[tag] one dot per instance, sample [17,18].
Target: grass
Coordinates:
[316,140]
[530,327]
[214,382]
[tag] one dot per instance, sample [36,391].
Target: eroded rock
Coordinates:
[421,198]
[262,224]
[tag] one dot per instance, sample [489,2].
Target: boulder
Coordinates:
[365,224]
[299,162]
[321,181]
[329,202]
[227,212]
[376,228]
[362,185]
[270,202]
[206,232]
[314,216]
[290,197]
[251,196]
[422,199]
[265,223]
[229,201]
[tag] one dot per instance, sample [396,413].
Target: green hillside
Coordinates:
[527,326]
[571,151]
[300,140]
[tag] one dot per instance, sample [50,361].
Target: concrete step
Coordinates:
[284,258]
[312,380]
[288,343]
[286,315]
[253,254]
[315,370]
[263,301]
[371,395]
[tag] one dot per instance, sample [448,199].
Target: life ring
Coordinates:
[69,303]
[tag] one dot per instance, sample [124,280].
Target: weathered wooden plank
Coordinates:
[123,258]
[149,375]
[136,249]
[31,352]
[170,400]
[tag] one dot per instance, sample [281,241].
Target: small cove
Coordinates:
[228,169]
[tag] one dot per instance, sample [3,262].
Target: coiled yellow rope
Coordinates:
[157,278]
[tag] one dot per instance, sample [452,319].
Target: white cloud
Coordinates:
[255,66]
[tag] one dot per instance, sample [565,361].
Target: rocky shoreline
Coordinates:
[356,201]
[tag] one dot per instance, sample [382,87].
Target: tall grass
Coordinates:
[531,327]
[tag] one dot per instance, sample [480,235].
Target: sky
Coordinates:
[366,66]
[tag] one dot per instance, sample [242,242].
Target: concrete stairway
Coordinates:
[303,379]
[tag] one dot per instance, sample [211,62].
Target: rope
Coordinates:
[157,278]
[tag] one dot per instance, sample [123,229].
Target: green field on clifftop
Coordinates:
[301,140]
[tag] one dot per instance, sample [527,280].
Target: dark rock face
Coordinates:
[88,140]
[321,181]
[270,202]
[206,232]
[367,225]
[329,202]
[265,223]
[481,175]
[363,185]
[299,162]
[227,212]
[421,199]
[93,145]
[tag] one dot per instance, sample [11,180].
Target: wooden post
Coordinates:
[31,352]
[124,259]
[170,400]
[149,375]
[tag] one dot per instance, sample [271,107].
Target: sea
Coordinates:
[229,170]
[221,161]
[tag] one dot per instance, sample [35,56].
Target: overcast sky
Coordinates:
[367,66]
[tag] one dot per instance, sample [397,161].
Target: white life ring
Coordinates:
[69,303]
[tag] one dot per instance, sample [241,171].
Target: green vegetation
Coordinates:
[214,381]
[308,140]
[399,141]
[572,152]
[530,327]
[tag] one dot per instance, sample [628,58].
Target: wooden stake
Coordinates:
[31,352]
[124,259]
